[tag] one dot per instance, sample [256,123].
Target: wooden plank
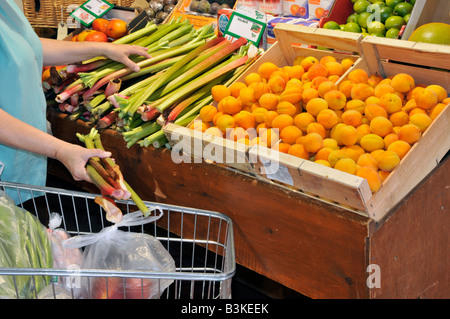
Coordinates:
[422,54]
[310,177]
[288,34]
[411,246]
[315,248]
[421,159]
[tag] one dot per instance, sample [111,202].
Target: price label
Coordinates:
[91,10]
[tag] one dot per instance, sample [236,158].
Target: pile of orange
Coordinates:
[362,125]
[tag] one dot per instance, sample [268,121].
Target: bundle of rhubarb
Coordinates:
[172,86]
[107,176]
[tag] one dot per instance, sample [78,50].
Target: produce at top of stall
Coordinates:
[209,7]
[434,32]
[381,18]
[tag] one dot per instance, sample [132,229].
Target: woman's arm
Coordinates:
[57,52]
[17,134]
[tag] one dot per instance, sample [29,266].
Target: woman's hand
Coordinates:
[74,157]
[121,53]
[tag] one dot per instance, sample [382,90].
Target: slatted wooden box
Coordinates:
[282,53]
[385,57]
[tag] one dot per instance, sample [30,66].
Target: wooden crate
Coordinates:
[385,57]
[388,57]
[52,13]
[281,53]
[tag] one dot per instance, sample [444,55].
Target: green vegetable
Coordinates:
[23,244]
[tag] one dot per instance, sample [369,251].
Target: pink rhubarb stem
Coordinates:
[75,68]
[69,92]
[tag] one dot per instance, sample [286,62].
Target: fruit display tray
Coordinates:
[385,57]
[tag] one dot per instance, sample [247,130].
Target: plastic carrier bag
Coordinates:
[23,244]
[63,258]
[116,250]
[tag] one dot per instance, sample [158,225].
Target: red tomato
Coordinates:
[96,36]
[100,24]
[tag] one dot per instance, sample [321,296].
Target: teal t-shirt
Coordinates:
[21,93]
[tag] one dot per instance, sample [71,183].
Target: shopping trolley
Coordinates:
[200,241]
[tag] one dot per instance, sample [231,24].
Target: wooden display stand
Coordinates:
[319,249]
[395,246]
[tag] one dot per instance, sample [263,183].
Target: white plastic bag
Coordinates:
[115,249]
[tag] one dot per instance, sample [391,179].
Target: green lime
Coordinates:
[394,22]
[385,12]
[333,25]
[352,27]
[341,27]
[380,35]
[392,33]
[403,8]
[353,18]
[406,17]
[362,19]
[360,6]
[376,27]
[393,3]
[380,3]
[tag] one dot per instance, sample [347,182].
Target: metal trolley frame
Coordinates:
[201,242]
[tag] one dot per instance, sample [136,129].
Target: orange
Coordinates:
[235,88]
[266,69]
[381,126]
[373,110]
[361,91]
[290,133]
[372,142]
[253,77]
[285,107]
[358,76]
[421,120]
[269,136]
[409,133]
[231,105]
[312,142]
[316,70]
[356,105]
[258,113]
[388,160]
[100,24]
[298,150]
[315,105]
[323,153]
[207,113]
[269,116]
[336,99]
[402,82]
[347,63]
[372,177]
[296,72]
[276,83]
[391,102]
[427,99]
[335,68]
[400,147]
[436,110]
[292,95]
[346,88]
[302,120]
[218,92]
[347,165]
[269,101]
[389,139]
[327,118]
[308,94]
[116,28]
[316,128]
[399,118]
[281,121]
[307,62]
[214,131]
[352,117]
[225,122]
[325,87]
[440,91]
[347,135]
[367,160]
[246,96]
[245,119]
[259,89]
